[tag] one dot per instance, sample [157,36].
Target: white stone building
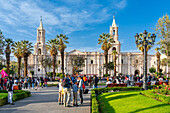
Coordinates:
[127,62]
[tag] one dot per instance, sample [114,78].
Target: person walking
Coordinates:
[67,90]
[60,99]
[33,82]
[80,79]
[85,80]
[10,90]
[29,82]
[95,82]
[75,89]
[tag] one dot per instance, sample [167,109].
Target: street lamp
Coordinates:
[13,67]
[145,40]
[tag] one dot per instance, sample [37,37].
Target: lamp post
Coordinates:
[13,67]
[145,40]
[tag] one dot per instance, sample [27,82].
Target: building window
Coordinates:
[39,51]
[136,61]
[91,61]
[38,69]
[122,61]
[113,32]
[114,48]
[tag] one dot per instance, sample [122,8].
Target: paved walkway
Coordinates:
[45,101]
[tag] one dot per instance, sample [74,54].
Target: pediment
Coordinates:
[75,52]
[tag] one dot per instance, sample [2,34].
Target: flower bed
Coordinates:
[161,93]
[158,96]
[18,95]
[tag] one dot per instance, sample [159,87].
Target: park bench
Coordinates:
[122,85]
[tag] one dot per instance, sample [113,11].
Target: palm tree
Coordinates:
[114,53]
[26,51]
[106,41]
[1,43]
[8,43]
[62,40]
[52,46]
[158,59]
[17,50]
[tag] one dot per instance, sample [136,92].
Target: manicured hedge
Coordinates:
[160,97]
[105,90]
[94,103]
[18,95]
[49,85]
[97,91]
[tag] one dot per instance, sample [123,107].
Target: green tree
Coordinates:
[26,51]
[62,45]
[45,62]
[52,46]
[152,70]
[8,43]
[106,40]
[163,31]
[17,50]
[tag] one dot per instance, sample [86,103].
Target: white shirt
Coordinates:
[109,82]
[60,87]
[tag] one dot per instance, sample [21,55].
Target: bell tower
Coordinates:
[114,34]
[39,47]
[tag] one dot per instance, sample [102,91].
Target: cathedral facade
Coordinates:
[127,62]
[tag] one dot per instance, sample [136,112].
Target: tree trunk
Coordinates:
[106,62]
[8,63]
[54,62]
[19,66]
[62,62]
[25,65]
[114,65]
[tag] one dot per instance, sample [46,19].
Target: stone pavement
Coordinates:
[45,101]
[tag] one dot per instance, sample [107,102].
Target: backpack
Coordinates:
[86,91]
[64,84]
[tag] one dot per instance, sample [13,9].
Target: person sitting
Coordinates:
[109,82]
[167,80]
[141,81]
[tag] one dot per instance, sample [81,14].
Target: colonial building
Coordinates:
[127,62]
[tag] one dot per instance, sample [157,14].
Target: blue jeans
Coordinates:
[32,85]
[95,86]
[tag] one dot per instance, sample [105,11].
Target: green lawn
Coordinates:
[130,102]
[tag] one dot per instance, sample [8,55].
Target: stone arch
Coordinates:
[137,72]
[114,48]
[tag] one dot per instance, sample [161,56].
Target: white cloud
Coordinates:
[121,4]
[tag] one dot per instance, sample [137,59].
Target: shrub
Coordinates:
[94,103]
[103,90]
[18,95]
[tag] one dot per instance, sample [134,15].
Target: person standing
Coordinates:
[80,89]
[60,99]
[75,89]
[85,80]
[95,82]
[67,90]
[33,82]
[29,82]
[10,90]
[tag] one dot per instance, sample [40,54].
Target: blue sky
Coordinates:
[81,20]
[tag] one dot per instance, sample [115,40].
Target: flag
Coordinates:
[3,73]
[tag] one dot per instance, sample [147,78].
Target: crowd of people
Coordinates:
[24,82]
[77,84]
[132,79]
